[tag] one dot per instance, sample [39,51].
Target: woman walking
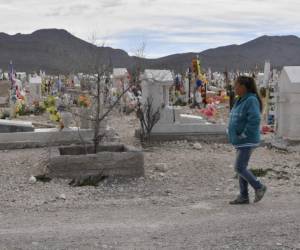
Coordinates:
[244,135]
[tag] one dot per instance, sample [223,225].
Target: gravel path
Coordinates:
[181,203]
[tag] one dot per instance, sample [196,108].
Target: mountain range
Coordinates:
[58,51]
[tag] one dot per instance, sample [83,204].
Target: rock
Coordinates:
[62,197]
[162,175]
[161,167]
[168,191]
[197,146]
[32,180]
[175,174]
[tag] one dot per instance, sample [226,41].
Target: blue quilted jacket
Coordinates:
[244,122]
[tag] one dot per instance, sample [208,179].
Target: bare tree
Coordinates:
[94,39]
[141,50]
[148,118]
[139,65]
[99,116]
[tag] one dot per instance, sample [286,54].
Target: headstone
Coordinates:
[186,89]
[156,85]
[267,74]
[120,77]
[35,91]
[66,118]
[4,93]
[121,82]
[21,75]
[288,111]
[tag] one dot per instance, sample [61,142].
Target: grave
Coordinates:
[173,123]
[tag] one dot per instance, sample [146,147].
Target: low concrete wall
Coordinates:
[129,163]
[12,126]
[44,138]
[208,137]
[192,128]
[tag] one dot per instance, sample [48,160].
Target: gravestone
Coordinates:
[156,85]
[120,80]
[35,90]
[4,93]
[120,77]
[288,111]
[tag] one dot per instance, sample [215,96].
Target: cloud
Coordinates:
[111,4]
[166,25]
[73,10]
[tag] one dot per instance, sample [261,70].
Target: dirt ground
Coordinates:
[181,203]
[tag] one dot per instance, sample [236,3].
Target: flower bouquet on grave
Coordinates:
[54,114]
[21,108]
[38,108]
[49,102]
[209,112]
[84,101]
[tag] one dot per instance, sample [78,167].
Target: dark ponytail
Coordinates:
[250,85]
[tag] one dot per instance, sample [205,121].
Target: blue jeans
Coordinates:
[245,176]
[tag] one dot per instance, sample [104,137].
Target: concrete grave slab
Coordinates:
[12,126]
[48,137]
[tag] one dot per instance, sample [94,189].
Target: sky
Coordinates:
[164,27]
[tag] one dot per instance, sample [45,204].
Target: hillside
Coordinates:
[57,51]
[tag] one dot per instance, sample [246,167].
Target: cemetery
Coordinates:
[150,125]
[168,162]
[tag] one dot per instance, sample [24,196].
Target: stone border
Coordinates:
[204,137]
[283,144]
[127,163]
